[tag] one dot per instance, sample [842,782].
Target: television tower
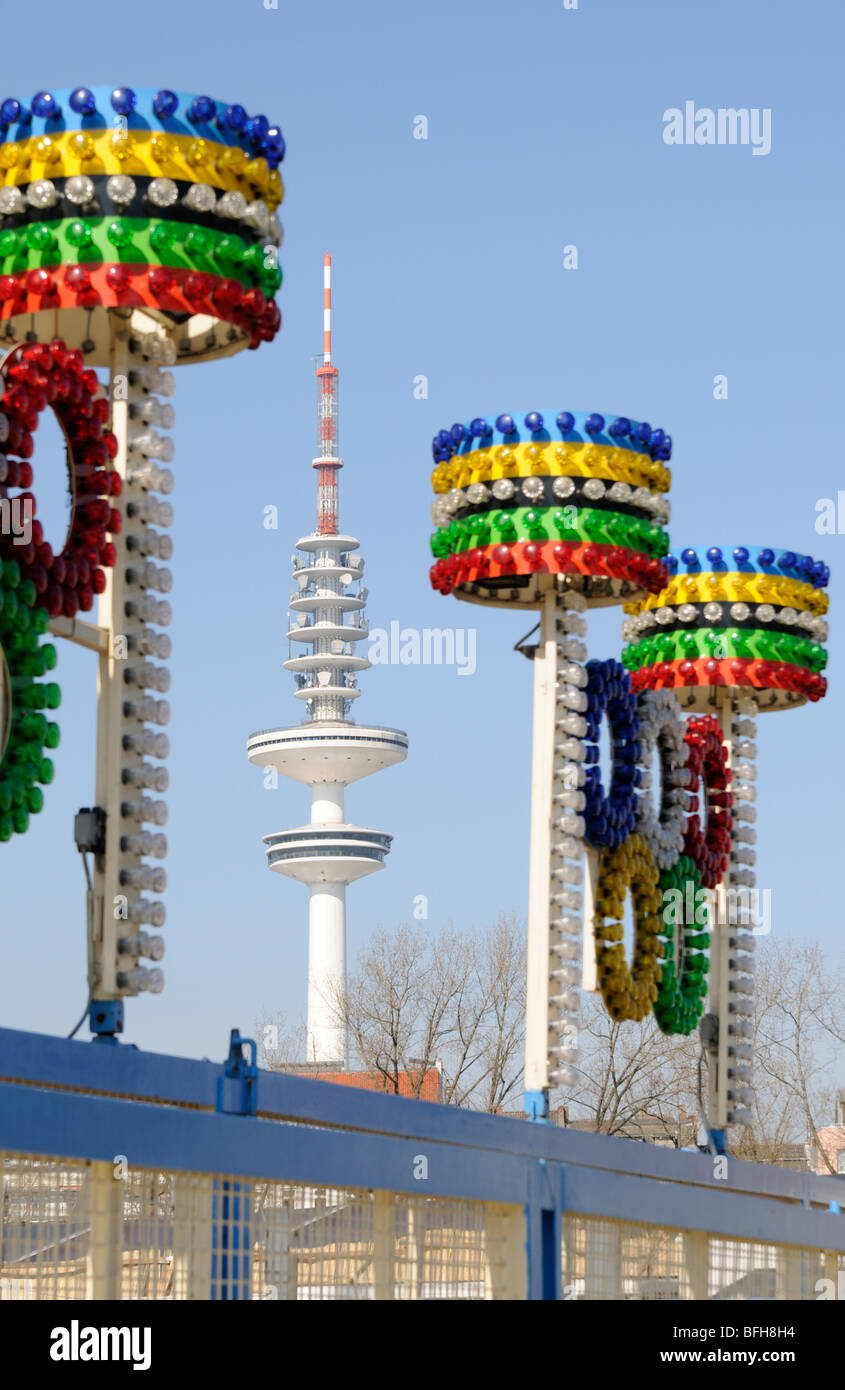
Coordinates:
[328,750]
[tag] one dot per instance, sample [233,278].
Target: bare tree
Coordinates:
[414,999]
[798,1040]
[280,1043]
[630,1075]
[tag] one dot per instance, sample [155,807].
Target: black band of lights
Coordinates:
[24,731]
[609,815]
[662,728]
[103,195]
[562,490]
[686,939]
[629,991]
[745,616]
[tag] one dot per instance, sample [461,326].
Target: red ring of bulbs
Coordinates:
[708,766]
[36,376]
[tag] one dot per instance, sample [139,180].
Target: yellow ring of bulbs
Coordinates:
[139,152]
[753,588]
[629,991]
[552,460]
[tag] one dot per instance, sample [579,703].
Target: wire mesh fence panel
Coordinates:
[624,1260]
[45,1226]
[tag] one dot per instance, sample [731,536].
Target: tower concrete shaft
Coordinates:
[328,750]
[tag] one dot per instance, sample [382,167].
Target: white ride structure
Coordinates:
[328,750]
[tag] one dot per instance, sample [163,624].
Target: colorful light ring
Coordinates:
[662,730]
[609,815]
[137,241]
[520,503]
[140,155]
[757,626]
[141,109]
[24,767]
[551,425]
[753,559]
[707,768]
[118,153]
[734,587]
[100,199]
[685,940]
[35,377]
[629,991]
[616,465]
[176,291]
[493,572]
[539,523]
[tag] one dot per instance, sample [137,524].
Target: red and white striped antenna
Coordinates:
[328,461]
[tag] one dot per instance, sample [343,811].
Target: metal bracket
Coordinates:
[237,1088]
[105,1017]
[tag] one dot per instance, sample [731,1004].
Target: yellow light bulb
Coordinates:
[9,155]
[163,149]
[198,152]
[256,171]
[275,187]
[231,160]
[121,144]
[81,146]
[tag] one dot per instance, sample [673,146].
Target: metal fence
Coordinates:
[132,1175]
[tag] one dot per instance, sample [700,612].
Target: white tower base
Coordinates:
[326,1031]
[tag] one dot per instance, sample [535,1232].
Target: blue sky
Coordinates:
[544,130]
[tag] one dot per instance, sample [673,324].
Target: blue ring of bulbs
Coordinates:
[622,433]
[609,816]
[750,559]
[51,113]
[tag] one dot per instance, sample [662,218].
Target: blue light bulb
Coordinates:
[82,102]
[444,438]
[123,100]
[44,104]
[620,427]
[714,555]
[12,113]
[788,560]
[658,439]
[201,110]
[534,421]
[457,433]
[740,554]
[767,557]
[479,427]
[234,118]
[256,129]
[165,103]
[505,424]
[671,563]
[689,557]
[595,424]
[565,422]
[643,434]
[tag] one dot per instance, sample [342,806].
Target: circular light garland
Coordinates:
[609,815]
[135,242]
[662,728]
[599,527]
[629,991]
[195,164]
[683,982]
[708,766]
[25,731]
[35,376]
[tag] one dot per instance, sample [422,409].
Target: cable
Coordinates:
[73,1033]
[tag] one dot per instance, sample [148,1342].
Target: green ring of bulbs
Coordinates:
[23,763]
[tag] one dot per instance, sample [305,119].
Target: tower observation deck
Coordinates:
[328,750]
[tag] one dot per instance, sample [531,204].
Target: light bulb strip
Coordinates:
[740,881]
[629,990]
[25,731]
[731,671]
[138,242]
[552,557]
[524,460]
[758,644]
[685,935]
[743,616]
[140,199]
[542,525]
